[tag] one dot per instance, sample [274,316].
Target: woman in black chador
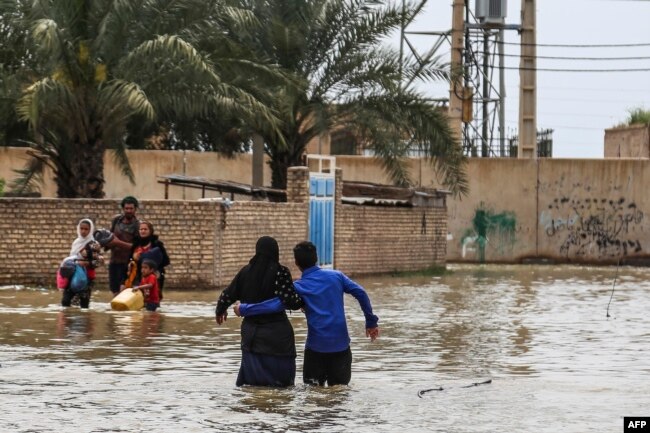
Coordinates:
[267,340]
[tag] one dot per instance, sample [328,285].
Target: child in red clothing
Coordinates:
[149,285]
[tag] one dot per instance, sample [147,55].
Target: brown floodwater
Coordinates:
[540,333]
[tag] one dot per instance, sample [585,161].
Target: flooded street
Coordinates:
[540,333]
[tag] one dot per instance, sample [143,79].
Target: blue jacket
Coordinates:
[322,291]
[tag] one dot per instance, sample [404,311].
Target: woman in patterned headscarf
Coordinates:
[268,344]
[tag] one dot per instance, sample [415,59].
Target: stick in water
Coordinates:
[424,391]
[613,285]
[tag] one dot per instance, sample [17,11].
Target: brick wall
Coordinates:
[37,234]
[209,241]
[247,221]
[372,239]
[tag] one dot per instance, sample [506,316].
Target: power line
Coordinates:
[596,89]
[602,116]
[578,58]
[591,101]
[643,44]
[578,70]
[557,127]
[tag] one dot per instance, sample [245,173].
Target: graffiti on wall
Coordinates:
[593,227]
[496,230]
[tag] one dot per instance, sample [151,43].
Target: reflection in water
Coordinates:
[135,327]
[74,325]
[540,333]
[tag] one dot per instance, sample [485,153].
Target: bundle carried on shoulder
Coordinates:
[71,276]
[103,236]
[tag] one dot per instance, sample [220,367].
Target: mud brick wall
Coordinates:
[372,239]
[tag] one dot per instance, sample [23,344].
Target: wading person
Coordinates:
[149,285]
[85,252]
[328,358]
[267,339]
[147,246]
[125,230]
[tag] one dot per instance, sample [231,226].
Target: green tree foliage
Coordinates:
[99,73]
[343,77]
[638,116]
[15,63]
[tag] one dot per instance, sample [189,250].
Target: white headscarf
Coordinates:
[79,243]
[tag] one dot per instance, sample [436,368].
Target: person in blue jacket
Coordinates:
[327,358]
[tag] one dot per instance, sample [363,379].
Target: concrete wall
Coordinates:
[147,165]
[628,142]
[564,210]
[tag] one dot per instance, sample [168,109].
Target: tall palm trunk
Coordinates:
[84,177]
[281,160]
[279,165]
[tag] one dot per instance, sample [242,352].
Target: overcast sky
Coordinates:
[578,106]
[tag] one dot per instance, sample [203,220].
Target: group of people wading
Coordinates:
[261,292]
[138,259]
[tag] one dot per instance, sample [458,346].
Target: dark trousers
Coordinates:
[84,298]
[116,276]
[266,370]
[333,368]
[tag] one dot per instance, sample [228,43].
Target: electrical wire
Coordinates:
[642,44]
[577,70]
[591,89]
[578,58]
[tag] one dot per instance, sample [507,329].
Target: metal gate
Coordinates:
[321,208]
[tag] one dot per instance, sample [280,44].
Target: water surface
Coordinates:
[541,333]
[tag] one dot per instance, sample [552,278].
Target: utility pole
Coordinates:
[502,95]
[485,151]
[456,94]
[528,82]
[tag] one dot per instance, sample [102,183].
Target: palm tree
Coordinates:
[343,77]
[15,64]
[104,67]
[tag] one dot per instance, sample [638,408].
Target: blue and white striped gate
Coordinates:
[321,214]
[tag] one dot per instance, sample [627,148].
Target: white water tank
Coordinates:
[491,11]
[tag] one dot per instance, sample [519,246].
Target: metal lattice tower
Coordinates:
[477,96]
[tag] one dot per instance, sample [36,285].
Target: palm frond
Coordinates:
[119,155]
[46,36]
[120,100]
[29,178]
[394,125]
[44,95]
